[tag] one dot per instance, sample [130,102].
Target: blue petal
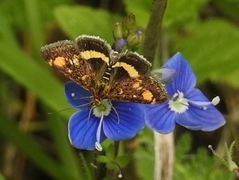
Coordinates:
[196,118]
[77,96]
[160,118]
[185,79]
[82,130]
[130,121]
[196,95]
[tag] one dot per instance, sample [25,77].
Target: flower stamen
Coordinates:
[104,107]
[98,134]
[216,100]
[101,110]
[179,104]
[205,104]
[120,175]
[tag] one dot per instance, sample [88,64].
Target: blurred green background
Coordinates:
[34,143]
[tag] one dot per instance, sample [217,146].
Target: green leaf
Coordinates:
[179,13]
[38,79]
[33,23]
[79,20]
[112,166]
[212,50]
[27,71]
[123,160]
[109,152]
[103,159]
[198,165]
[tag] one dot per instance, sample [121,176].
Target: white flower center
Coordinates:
[103,108]
[178,103]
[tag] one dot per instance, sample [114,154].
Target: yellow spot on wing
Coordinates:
[130,69]
[94,54]
[75,60]
[147,95]
[59,61]
[136,85]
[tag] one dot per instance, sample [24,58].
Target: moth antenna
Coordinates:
[72,107]
[83,105]
[66,109]
[86,97]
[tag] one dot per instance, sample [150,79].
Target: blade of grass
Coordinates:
[34,24]
[31,149]
[65,152]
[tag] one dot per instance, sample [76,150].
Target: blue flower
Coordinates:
[186,106]
[93,123]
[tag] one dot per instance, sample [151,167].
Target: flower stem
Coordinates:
[236,173]
[116,148]
[112,173]
[153,30]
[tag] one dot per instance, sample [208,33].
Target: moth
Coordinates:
[90,62]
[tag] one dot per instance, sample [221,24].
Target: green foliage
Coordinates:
[112,162]
[30,72]
[141,11]
[85,20]
[227,161]
[24,70]
[212,49]
[199,166]
[15,11]
[36,154]
[182,13]
[144,154]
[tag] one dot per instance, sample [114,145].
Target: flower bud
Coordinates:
[129,22]
[134,40]
[118,31]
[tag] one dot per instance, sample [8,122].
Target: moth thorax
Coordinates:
[114,55]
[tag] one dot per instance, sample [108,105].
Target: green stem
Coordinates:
[112,173]
[116,148]
[153,30]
